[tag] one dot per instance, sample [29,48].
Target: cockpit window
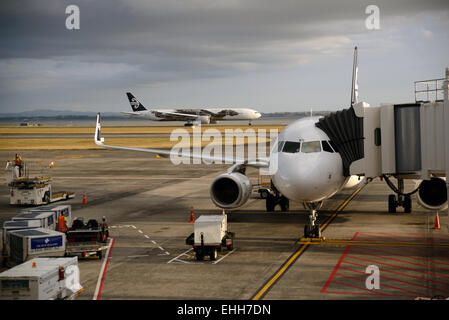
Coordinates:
[333,146]
[291,147]
[280,145]
[311,146]
[326,146]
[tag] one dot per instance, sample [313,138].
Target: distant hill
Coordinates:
[57,114]
[68,114]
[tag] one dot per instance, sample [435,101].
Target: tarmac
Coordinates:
[147,202]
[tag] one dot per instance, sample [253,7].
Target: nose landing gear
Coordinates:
[312,229]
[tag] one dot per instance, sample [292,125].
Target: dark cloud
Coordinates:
[130,43]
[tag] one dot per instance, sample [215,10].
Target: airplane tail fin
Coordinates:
[135,104]
[355,84]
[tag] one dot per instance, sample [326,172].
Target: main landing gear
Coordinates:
[272,200]
[312,229]
[400,199]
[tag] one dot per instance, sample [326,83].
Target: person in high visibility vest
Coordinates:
[19,163]
[62,226]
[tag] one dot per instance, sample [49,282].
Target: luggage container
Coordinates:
[41,279]
[47,219]
[27,244]
[59,210]
[9,226]
[210,235]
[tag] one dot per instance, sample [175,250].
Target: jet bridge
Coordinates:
[404,141]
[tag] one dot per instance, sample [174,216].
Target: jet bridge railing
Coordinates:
[429,90]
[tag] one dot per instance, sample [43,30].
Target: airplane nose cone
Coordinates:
[306,178]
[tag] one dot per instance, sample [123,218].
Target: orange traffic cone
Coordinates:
[84,198]
[192,217]
[437,222]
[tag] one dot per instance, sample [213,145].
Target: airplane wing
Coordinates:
[175,116]
[257,163]
[221,113]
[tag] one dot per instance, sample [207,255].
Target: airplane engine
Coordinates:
[353,182]
[203,119]
[230,190]
[432,194]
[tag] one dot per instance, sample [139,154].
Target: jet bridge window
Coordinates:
[311,146]
[291,147]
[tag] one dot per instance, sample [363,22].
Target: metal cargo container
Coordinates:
[212,229]
[26,244]
[16,225]
[59,210]
[48,219]
[41,279]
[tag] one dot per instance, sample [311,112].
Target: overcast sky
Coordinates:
[270,55]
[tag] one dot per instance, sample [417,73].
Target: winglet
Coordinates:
[98,139]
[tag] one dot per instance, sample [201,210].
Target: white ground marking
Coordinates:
[146,236]
[179,260]
[139,256]
[215,262]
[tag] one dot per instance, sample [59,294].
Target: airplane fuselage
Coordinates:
[214,114]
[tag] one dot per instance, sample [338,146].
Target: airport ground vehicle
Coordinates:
[31,191]
[210,236]
[87,239]
[41,279]
[35,191]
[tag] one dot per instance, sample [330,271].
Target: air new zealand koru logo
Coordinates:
[134,103]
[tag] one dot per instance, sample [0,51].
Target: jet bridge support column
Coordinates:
[446,132]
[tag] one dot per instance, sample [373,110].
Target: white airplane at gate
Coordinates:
[305,165]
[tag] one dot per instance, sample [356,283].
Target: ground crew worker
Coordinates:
[19,163]
[62,226]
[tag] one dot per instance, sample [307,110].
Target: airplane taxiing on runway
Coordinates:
[202,115]
[305,165]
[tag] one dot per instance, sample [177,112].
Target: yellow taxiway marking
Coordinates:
[304,246]
[78,156]
[281,271]
[341,207]
[375,243]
